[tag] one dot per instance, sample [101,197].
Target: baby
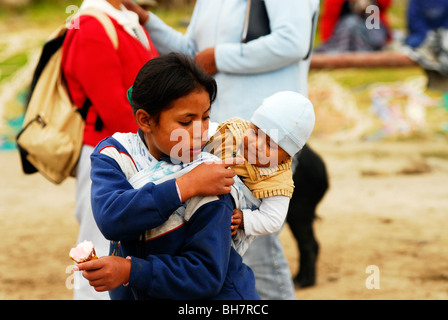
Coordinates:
[277,130]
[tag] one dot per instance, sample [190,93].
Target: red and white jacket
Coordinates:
[94,69]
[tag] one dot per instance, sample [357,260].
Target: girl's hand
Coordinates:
[208,179]
[105,273]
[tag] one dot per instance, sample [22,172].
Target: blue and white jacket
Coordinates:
[178,251]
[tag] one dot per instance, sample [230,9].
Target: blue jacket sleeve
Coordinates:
[199,269]
[122,212]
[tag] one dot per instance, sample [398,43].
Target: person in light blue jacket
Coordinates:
[246,74]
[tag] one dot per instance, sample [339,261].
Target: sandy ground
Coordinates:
[387,208]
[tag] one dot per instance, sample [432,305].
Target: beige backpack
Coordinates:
[51,138]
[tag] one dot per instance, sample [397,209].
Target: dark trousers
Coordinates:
[311,182]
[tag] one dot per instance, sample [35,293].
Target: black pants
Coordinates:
[311,182]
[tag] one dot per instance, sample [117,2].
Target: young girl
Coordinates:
[186,254]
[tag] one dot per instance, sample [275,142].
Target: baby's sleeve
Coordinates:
[268,218]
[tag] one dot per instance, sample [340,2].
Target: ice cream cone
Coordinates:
[84,252]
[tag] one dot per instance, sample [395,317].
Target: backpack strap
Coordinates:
[112,33]
[105,21]
[85,108]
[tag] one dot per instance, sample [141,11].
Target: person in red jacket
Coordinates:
[98,74]
[343,27]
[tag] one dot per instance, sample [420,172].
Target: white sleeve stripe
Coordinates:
[123,159]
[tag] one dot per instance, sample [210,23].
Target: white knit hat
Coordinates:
[287,118]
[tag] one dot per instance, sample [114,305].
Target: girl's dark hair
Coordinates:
[166,78]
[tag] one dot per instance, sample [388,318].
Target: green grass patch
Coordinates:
[40,14]
[359,78]
[12,64]
[52,13]
[356,85]
[435,154]
[178,19]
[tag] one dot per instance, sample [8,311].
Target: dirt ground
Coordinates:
[386,207]
[381,226]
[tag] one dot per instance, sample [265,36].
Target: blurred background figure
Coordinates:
[310,185]
[427,40]
[424,16]
[343,26]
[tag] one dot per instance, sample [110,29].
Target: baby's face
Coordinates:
[260,150]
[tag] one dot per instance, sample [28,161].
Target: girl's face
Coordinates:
[260,150]
[181,130]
